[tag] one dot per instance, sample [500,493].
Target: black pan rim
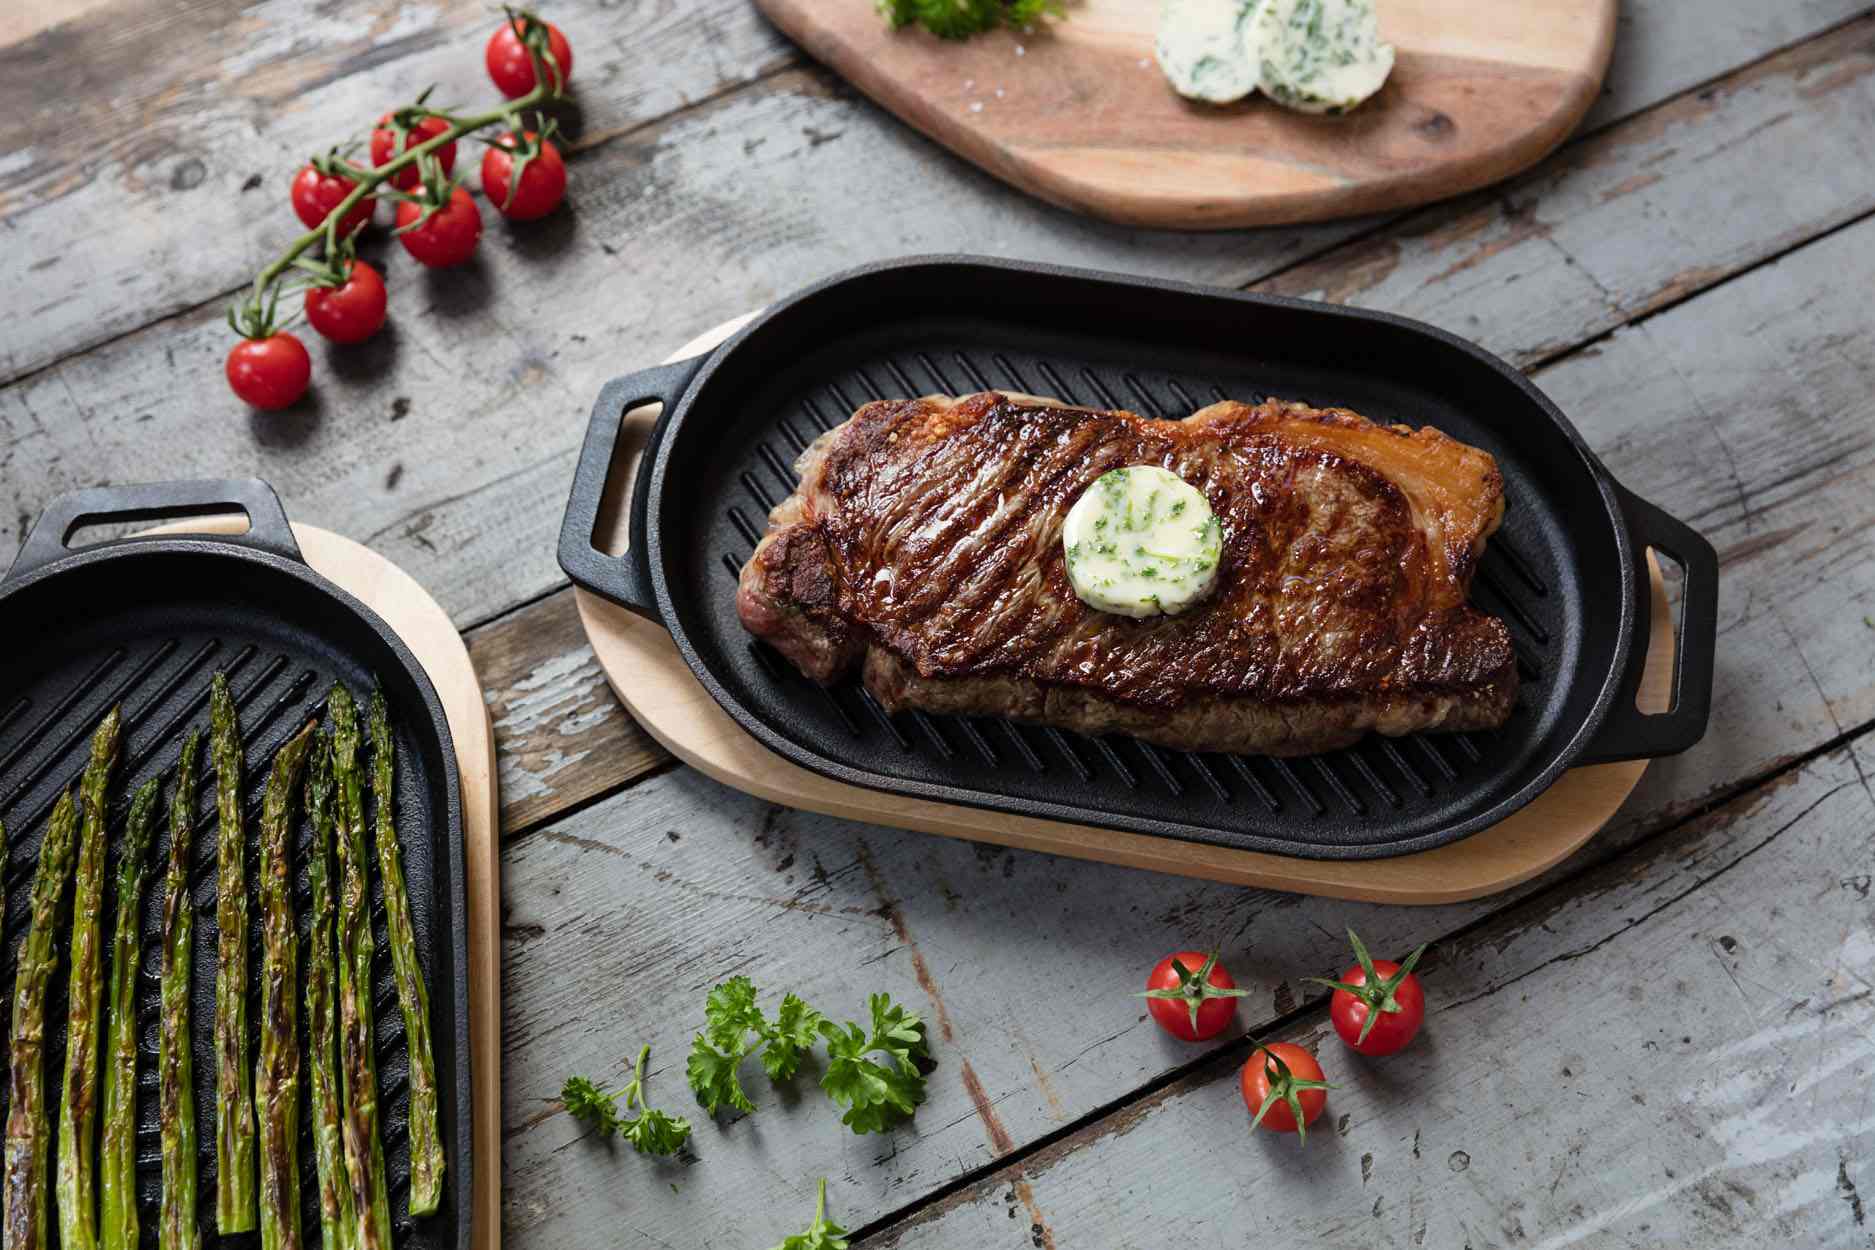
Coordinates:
[212,547]
[1587,727]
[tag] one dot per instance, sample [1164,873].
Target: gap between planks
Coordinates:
[1213,1063]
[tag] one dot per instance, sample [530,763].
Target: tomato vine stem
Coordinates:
[255,315]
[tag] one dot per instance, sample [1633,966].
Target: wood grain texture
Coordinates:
[1676,1051]
[447,443]
[558,732]
[1078,113]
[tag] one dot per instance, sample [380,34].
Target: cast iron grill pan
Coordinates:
[1564,573]
[145,623]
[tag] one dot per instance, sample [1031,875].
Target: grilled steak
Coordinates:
[923,546]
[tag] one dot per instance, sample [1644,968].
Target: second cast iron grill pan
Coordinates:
[1566,572]
[144,623]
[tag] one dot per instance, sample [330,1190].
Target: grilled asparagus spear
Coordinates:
[338,1225]
[175,1064]
[276,1075]
[78,1109]
[364,1149]
[234,1080]
[117,1162]
[28,1129]
[426,1146]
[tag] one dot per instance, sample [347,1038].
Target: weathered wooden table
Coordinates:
[1666,1041]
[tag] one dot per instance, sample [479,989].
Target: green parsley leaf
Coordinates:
[713,1078]
[590,1105]
[796,1029]
[731,1012]
[876,1095]
[654,1133]
[650,1132]
[823,1233]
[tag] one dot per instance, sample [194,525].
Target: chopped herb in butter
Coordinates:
[1142,541]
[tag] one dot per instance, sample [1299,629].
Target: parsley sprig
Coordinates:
[734,1029]
[875,1074]
[960,19]
[823,1233]
[876,1095]
[651,1132]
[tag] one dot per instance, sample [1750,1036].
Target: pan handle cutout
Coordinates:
[1629,733]
[590,550]
[75,511]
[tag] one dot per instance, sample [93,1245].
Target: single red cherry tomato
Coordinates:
[350,313]
[1190,994]
[543,177]
[450,234]
[384,146]
[512,69]
[1284,1089]
[315,194]
[1378,1005]
[269,373]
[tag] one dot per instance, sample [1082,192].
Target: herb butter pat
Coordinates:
[1142,541]
[1319,56]
[1204,50]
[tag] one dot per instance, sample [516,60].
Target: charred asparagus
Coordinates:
[28,1129]
[234,1084]
[364,1149]
[276,1076]
[117,1162]
[338,1225]
[175,1064]
[78,1109]
[426,1147]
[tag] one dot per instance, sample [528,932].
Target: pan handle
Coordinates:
[624,579]
[1629,733]
[267,527]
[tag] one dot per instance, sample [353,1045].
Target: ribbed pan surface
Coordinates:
[146,630]
[1334,797]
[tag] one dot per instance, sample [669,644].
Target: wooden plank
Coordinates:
[559,733]
[107,219]
[1716,380]
[1633,218]
[1676,1050]
[447,443]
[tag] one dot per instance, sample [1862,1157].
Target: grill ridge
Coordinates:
[1369,785]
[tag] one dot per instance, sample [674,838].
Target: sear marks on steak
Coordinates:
[923,547]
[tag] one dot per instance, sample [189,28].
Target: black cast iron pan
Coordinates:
[144,623]
[1566,572]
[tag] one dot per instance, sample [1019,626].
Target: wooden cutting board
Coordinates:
[1078,113]
[643,668]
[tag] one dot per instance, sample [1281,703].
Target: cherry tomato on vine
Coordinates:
[384,146]
[448,236]
[543,176]
[1191,995]
[316,193]
[1283,1088]
[350,313]
[1378,1005]
[508,62]
[270,372]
